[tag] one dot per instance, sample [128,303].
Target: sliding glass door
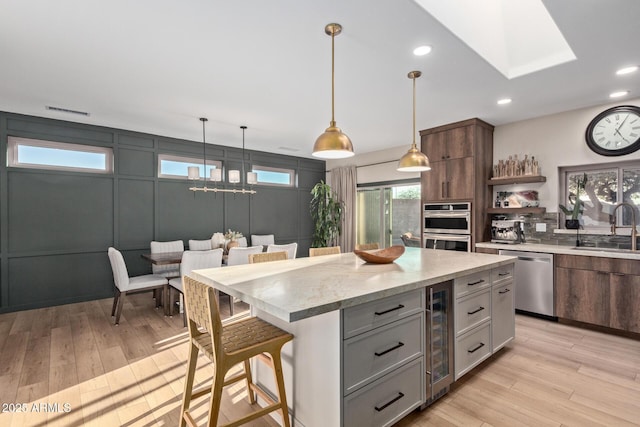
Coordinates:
[386,212]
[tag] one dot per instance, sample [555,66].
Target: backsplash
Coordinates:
[550,238]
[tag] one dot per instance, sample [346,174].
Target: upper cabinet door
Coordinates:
[449,144]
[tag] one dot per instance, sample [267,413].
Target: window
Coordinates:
[275,176]
[40,154]
[176,167]
[607,185]
[384,213]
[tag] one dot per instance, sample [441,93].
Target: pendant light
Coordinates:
[333,143]
[414,160]
[193,172]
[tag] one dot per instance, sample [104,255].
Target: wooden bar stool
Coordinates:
[331,250]
[226,347]
[267,257]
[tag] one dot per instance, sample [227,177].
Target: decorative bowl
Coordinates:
[381,256]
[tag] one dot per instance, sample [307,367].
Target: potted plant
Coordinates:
[572,220]
[326,212]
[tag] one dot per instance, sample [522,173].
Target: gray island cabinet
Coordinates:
[358,353]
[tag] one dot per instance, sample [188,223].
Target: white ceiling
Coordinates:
[156,66]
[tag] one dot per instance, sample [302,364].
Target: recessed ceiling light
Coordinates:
[619,94]
[627,70]
[422,50]
[504,101]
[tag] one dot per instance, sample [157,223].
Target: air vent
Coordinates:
[288,149]
[66,110]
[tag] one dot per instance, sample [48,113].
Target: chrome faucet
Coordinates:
[634,232]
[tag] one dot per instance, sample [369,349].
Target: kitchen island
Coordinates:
[320,300]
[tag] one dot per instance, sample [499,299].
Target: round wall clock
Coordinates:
[615,131]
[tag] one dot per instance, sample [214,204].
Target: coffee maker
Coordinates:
[507,231]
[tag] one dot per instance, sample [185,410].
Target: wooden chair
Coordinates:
[367,246]
[267,256]
[331,250]
[226,347]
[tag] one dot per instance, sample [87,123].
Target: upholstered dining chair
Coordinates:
[194,260]
[168,270]
[227,346]
[331,250]
[262,239]
[290,248]
[268,256]
[239,255]
[200,245]
[367,246]
[125,284]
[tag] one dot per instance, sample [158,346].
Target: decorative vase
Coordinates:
[232,244]
[572,224]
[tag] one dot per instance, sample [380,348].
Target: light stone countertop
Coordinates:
[303,287]
[562,249]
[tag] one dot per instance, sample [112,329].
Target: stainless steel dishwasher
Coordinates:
[533,282]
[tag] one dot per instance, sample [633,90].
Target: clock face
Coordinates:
[615,132]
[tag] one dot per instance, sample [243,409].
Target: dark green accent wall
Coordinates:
[55,227]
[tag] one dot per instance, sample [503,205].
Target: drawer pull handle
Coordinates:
[475,283]
[395,347]
[503,274]
[475,311]
[380,313]
[478,347]
[505,291]
[395,399]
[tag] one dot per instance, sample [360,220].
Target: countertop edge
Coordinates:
[558,249]
[303,313]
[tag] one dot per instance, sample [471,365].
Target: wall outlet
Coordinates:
[541,227]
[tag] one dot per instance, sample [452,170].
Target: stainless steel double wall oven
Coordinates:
[447,226]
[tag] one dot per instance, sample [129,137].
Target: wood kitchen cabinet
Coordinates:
[597,290]
[461,157]
[582,295]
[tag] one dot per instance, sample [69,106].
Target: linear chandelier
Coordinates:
[216,174]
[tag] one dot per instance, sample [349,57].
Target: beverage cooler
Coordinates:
[439,341]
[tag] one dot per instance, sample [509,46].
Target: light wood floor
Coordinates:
[132,374]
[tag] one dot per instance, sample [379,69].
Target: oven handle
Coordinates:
[453,214]
[452,237]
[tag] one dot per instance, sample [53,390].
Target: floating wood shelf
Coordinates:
[516,180]
[516,210]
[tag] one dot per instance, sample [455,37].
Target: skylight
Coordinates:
[515,37]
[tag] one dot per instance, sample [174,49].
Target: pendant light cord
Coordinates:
[204,149]
[414,113]
[333,121]
[243,175]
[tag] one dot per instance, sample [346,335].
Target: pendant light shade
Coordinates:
[414,160]
[333,143]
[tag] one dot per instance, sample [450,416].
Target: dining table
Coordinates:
[163,258]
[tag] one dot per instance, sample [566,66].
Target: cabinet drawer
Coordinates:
[502,274]
[471,283]
[373,354]
[367,316]
[384,402]
[472,348]
[472,311]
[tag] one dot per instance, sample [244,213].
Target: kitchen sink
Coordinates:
[593,249]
